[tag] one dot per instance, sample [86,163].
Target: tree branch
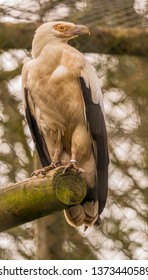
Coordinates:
[8,75]
[108,40]
[40,196]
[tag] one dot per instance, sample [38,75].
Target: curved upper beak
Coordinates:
[81,30]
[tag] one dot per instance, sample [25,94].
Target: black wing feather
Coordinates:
[97,126]
[36,134]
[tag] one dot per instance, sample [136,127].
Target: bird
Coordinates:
[65,112]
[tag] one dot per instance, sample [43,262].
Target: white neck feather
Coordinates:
[40,42]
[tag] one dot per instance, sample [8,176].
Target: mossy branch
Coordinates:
[40,196]
[108,40]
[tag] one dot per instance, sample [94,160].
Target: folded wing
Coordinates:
[35,131]
[96,122]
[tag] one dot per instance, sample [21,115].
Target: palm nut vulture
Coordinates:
[64,110]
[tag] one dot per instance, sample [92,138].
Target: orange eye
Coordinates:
[60,28]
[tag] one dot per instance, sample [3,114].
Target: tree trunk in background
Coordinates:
[49,238]
[56,240]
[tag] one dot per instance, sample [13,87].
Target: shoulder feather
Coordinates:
[91,80]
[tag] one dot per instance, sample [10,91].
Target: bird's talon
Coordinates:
[80,171]
[34,173]
[68,166]
[73,164]
[53,165]
[43,171]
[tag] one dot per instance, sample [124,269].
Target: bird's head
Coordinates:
[56,31]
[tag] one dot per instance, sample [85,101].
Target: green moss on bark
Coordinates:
[38,197]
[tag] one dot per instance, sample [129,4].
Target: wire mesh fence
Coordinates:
[127,13]
[123,78]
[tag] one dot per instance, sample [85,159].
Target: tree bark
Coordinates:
[40,196]
[107,40]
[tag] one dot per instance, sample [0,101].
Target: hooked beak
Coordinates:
[81,30]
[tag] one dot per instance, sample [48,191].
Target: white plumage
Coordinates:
[64,109]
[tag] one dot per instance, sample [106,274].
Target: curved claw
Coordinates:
[43,171]
[73,164]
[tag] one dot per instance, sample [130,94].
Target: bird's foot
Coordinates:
[73,164]
[43,171]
